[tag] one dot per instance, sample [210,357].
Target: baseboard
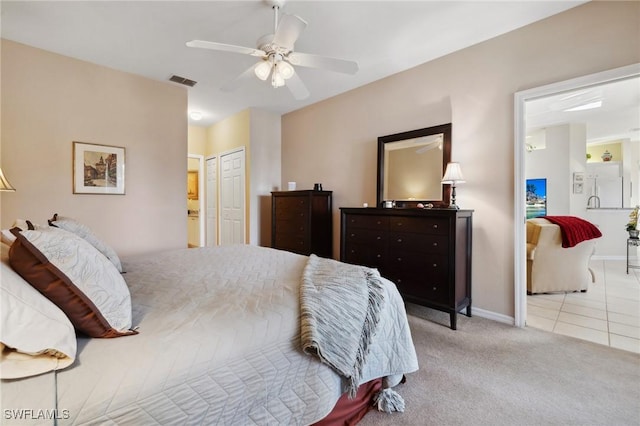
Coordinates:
[594,257]
[492,316]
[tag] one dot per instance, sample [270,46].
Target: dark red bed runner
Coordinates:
[574,230]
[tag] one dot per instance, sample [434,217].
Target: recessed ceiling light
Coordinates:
[195,115]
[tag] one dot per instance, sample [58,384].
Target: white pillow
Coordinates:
[35,336]
[83,231]
[76,277]
[6,235]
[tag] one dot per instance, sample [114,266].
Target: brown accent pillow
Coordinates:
[75,276]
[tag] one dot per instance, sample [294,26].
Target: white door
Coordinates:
[212,202]
[232,198]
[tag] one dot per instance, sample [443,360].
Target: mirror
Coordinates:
[411,165]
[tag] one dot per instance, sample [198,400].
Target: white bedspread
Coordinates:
[219,343]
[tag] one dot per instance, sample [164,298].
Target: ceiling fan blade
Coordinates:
[322,62]
[297,87]
[289,29]
[225,47]
[248,74]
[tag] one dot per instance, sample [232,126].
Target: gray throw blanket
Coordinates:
[340,310]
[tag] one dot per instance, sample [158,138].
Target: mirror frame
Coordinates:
[445,129]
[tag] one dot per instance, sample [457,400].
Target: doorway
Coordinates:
[212,202]
[195,199]
[520,103]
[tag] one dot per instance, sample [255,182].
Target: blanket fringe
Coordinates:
[388,400]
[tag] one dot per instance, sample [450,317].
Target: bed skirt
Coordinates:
[350,411]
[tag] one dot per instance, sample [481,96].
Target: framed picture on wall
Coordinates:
[192,185]
[98,169]
[536,197]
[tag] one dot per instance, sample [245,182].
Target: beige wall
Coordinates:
[334,142]
[49,101]
[197,140]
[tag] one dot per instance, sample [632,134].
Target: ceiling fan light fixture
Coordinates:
[263,69]
[285,69]
[276,78]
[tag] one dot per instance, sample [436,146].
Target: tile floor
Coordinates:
[608,313]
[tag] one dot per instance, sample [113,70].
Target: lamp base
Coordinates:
[453,204]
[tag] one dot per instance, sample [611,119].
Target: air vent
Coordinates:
[182,80]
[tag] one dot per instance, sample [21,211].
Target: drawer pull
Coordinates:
[378,223]
[435,288]
[435,265]
[378,238]
[399,259]
[353,235]
[435,226]
[378,256]
[399,240]
[435,244]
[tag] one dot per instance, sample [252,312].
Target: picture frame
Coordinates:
[192,185]
[578,188]
[98,169]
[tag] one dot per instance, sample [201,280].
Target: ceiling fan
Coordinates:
[277,58]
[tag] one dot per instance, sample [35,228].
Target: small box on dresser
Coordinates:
[302,222]
[425,252]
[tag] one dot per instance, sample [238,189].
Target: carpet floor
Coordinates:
[489,373]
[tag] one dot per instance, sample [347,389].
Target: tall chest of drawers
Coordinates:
[301,222]
[426,253]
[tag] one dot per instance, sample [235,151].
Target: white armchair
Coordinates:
[551,267]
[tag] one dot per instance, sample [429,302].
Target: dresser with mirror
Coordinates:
[419,243]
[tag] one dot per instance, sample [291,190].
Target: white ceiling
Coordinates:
[148,38]
[617,118]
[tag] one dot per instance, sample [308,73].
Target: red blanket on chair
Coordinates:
[574,230]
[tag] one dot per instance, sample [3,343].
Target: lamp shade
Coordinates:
[453,174]
[4,183]
[263,69]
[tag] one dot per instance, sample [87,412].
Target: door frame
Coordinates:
[201,195]
[216,195]
[520,99]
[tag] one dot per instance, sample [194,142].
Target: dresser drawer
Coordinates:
[292,214]
[418,264]
[420,243]
[422,225]
[292,242]
[296,225]
[289,207]
[424,288]
[365,255]
[366,236]
[368,222]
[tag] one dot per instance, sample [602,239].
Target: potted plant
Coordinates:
[633,223]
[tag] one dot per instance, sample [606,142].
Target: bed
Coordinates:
[219,342]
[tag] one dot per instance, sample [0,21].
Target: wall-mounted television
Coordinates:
[536,197]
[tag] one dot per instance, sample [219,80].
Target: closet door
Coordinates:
[232,198]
